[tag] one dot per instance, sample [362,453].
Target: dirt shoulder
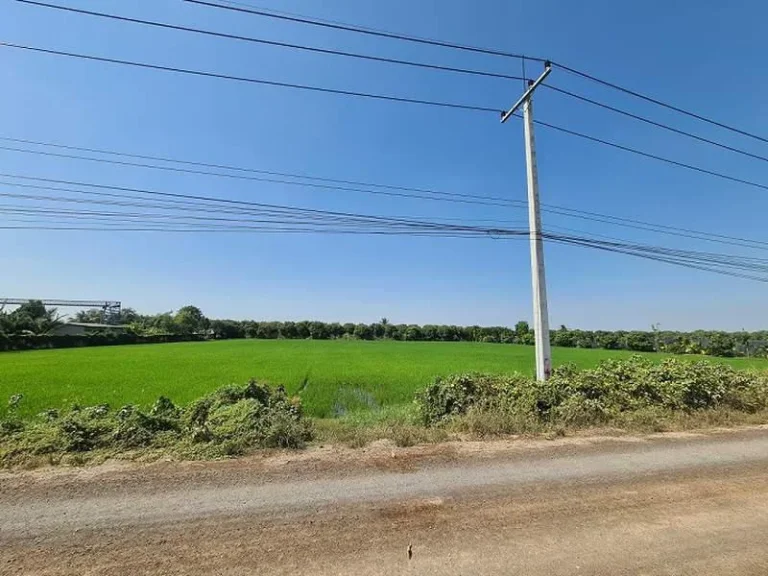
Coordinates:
[327,462]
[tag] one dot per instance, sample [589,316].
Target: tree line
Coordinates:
[34,323]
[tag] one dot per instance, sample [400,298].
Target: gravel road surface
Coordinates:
[680,504]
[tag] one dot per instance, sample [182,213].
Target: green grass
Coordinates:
[332,377]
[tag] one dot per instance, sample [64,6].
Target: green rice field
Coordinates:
[332,377]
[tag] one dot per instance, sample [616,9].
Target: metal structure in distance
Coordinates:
[110,308]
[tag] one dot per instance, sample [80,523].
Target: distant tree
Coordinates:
[522,327]
[528,339]
[289,330]
[607,340]
[363,331]
[391,332]
[523,333]
[412,332]
[268,330]
[447,333]
[335,330]
[32,309]
[675,344]
[190,320]
[302,329]
[721,344]
[250,328]
[429,333]
[563,337]
[227,329]
[32,317]
[640,341]
[96,316]
[128,316]
[157,324]
[318,331]
[584,339]
[92,316]
[377,330]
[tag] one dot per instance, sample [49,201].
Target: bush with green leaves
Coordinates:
[231,420]
[240,418]
[598,396]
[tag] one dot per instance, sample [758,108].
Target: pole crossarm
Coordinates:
[528,93]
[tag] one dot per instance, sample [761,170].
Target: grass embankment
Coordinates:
[332,377]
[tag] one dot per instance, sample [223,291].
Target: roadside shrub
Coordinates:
[244,419]
[231,420]
[79,435]
[135,429]
[254,416]
[9,427]
[455,395]
[286,430]
[599,396]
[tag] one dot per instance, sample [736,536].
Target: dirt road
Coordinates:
[666,505]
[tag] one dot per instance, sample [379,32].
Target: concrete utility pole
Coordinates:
[540,313]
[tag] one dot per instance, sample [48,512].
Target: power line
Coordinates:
[263,41]
[261,206]
[395,99]
[358,29]
[660,103]
[403,191]
[229,201]
[244,8]
[475,198]
[442,196]
[64,227]
[652,156]
[249,170]
[680,256]
[724,265]
[658,228]
[713,258]
[200,207]
[719,263]
[725,260]
[671,256]
[559,210]
[602,247]
[657,124]
[272,216]
[250,80]
[272,224]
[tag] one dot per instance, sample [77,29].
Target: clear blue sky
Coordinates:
[701,55]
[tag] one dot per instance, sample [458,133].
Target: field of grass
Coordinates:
[332,377]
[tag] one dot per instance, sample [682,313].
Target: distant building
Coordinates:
[84,328]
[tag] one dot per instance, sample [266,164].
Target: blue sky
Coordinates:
[698,55]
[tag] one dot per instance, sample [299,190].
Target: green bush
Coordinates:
[231,420]
[244,419]
[136,429]
[455,395]
[598,396]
